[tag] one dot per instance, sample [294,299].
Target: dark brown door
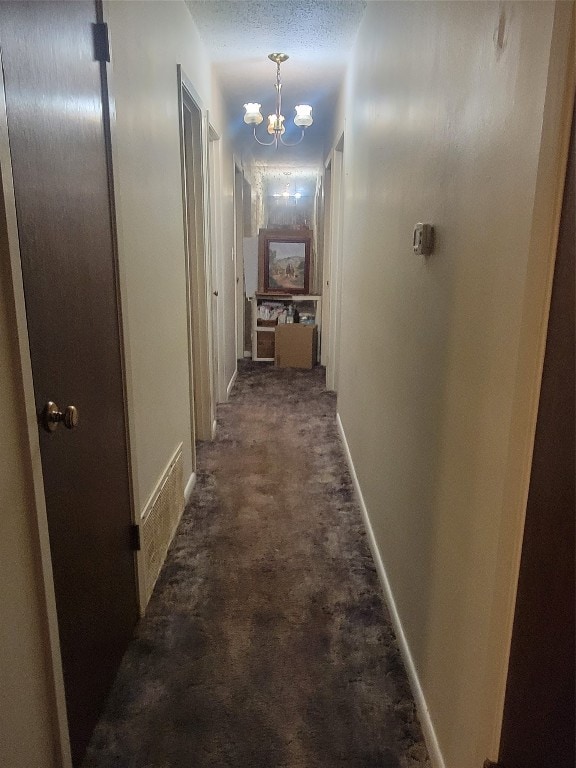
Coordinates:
[61,177]
[538,726]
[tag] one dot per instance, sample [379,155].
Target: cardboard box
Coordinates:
[296,346]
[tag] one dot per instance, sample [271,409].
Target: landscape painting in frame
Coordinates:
[286,267]
[284,261]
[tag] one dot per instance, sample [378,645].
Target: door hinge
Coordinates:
[135,542]
[101,42]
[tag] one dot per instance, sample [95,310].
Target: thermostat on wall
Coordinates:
[423,241]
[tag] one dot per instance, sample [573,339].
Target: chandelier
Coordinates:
[276,125]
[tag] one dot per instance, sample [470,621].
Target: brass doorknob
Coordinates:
[52,416]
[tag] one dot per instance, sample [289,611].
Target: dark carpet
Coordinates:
[266,642]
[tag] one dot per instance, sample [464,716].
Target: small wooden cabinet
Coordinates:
[266,307]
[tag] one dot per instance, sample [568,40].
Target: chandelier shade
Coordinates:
[303,117]
[253,115]
[276,127]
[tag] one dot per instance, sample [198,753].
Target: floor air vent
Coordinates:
[159,523]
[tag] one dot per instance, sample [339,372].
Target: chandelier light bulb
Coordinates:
[303,117]
[252,116]
[276,125]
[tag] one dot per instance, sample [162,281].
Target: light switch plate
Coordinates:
[423,239]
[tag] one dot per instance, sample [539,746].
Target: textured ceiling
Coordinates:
[316,34]
[316,30]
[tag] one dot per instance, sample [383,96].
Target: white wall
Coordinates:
[443,125]
[148,40]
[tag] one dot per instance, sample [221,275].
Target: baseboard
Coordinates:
[214,428]
[247,354]
[423,712]
[189,487]
[231,383]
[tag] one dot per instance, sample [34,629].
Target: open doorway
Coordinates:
[326,250]
[216,300]
[239,259]
[333,261]
[198,283]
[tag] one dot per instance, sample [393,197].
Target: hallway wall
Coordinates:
[453,115]
[148,40]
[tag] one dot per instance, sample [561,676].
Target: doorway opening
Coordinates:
[333,261]
[239,188]
[198,277]
[215,247]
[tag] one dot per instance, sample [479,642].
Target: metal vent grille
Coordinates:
[159,523]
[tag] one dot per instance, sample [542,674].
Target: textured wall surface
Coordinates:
[444,124]
[148,41]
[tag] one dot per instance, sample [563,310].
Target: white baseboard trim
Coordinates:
[423,712]
[231,383]
[189,487]
[247,354]
[214,427]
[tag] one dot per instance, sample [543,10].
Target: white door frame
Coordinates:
[335,263]
[217,263]
[325,287]
[239,256]
[198,268]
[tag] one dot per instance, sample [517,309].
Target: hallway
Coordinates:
[134,187]
[266,642]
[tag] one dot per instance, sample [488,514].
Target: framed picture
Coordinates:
[284,261]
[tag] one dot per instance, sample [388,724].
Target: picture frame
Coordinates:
[284,261]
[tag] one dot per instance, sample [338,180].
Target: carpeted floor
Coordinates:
[266,642]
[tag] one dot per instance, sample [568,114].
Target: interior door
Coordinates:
[57,131]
